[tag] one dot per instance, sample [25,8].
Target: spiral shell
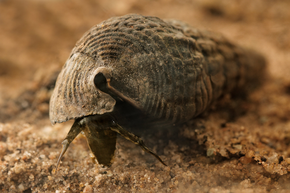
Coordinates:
[167,69]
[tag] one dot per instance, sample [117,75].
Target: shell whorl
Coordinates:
[153,63]
[75,94]
[170,70]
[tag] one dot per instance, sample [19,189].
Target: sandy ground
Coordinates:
[238,146]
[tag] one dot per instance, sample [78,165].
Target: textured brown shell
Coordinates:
[168,69]
[75,94]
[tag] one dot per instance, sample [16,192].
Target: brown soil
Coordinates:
[239,146]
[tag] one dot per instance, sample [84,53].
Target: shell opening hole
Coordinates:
[100,82]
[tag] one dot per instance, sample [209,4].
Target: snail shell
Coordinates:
[167,69]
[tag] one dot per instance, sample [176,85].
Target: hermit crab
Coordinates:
[163,69]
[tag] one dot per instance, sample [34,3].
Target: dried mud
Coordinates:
[240,145]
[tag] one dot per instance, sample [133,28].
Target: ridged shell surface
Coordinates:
[75,94]
[170,70]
